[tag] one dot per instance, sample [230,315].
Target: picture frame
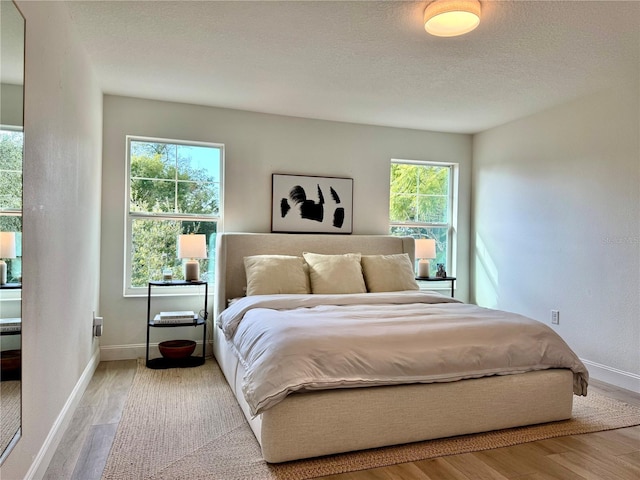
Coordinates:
[311,204]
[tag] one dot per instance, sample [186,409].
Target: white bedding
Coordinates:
[289,343]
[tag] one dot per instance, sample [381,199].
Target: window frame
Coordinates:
[16,212]
[451,225]
[130,217]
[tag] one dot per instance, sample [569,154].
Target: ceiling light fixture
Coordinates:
[449,18]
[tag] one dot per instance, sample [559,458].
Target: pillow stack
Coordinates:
[328,274]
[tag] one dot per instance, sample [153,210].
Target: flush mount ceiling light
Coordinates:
[448,18]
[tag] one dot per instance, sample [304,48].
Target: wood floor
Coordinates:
[611,455]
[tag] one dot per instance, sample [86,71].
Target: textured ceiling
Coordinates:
[361,61]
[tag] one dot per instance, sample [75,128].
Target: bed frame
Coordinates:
[312,424]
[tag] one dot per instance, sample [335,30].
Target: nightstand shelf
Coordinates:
[198,320]
[439,279]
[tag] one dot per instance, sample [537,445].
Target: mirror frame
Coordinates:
[3,6]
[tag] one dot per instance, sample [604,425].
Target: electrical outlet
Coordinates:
[555,317]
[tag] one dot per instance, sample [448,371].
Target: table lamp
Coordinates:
[425,250]
[192,246]
[7,250]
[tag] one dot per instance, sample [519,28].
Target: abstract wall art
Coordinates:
[310,204]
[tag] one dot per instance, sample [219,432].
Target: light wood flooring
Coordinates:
[611,455]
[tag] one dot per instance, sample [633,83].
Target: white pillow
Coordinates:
[388,273]
[271,274]
[335,273]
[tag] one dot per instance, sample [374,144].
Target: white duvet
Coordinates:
[290,343]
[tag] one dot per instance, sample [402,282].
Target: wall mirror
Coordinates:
[12,30]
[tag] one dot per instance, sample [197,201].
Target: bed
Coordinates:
[322,416]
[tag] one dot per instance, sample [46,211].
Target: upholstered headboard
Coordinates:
[231,249]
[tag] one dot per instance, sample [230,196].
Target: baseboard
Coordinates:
[109,353]
[41,461]
[613,376]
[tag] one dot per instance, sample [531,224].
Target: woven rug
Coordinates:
[185,423]
[9,411]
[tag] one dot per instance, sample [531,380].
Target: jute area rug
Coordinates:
[186,424]
[9,411]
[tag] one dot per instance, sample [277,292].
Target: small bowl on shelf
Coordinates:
[176,349]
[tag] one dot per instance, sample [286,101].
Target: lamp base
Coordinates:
[423,268]
[192,271]
[3,272]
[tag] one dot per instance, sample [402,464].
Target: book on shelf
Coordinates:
[175,317]
[10,325]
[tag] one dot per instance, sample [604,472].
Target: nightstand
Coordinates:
[198,320]
[439,279]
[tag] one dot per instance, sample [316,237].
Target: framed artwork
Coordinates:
[309,204]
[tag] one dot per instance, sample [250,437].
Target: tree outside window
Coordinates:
[11,153]
[174,188]
[420,204]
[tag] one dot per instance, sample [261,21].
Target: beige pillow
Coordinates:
[388,273]
[335,273]
[271,274]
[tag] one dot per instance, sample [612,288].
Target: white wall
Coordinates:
[556,225]
[61,242]
[258,145]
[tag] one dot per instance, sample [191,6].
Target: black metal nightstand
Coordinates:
[198,320]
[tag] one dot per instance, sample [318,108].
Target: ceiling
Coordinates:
[366,62]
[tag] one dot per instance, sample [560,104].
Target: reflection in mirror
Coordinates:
[11,149]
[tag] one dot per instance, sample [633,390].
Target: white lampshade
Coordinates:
[7,245]
[192,246]
[449,18]
[425,248]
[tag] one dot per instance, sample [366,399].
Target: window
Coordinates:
[421,205]
[11,151]
[173,188]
